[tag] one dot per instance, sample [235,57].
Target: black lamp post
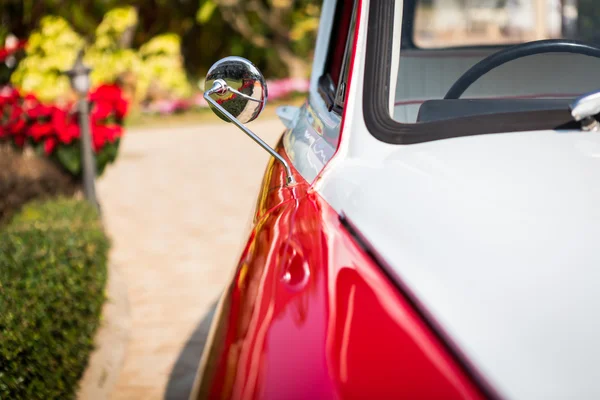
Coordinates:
[79,77]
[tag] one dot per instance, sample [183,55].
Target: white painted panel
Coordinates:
[495,234]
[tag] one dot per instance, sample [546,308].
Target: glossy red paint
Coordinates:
[309,315]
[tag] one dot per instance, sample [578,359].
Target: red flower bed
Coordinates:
[56,131]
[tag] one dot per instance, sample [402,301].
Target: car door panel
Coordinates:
[309,315]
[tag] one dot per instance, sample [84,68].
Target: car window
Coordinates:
[464,23]
[334,81]
[443,39]
[472,81]
[313,141]
[340,96]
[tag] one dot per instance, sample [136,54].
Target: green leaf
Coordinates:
[107,155]
[69,157]
[205,12]
[38,148]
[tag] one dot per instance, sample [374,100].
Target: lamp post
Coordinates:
[79,77]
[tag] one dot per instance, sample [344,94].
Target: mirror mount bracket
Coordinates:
[220,87]
[585,109]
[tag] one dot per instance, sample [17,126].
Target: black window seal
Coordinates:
[376,113]
[334,95]
[327,91]
[340,94]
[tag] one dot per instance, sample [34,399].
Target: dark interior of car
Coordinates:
[436,110]
[454,82]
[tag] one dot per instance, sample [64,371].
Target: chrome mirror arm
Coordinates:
[221,87]
[244,96]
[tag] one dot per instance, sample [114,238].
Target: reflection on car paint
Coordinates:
[322,151]
[311,143]
[307,295]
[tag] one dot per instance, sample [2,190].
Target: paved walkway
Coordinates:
[177,204]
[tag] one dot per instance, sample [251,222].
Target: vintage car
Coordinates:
[429,225]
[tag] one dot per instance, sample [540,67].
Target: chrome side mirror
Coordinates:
[240,88]
[238,93]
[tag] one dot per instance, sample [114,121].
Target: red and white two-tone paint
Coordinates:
[428,248]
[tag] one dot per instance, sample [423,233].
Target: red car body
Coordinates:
[310,315]
[439,305]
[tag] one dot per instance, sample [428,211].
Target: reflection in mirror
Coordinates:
[246,94]
[237,92]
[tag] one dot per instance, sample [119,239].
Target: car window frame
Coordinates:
[375,106]
[334,93]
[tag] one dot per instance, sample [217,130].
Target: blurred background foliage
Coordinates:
[277,35]
[51,48]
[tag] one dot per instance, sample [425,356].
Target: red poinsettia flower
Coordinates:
[110,93]
[16,121]
[20,140]
[116,133]
[24,118]
[101,110]
[69,133]
[102,134]
[29,102]
[59,120]
[109,101]
[38,130]
[121,108]
[50,145]
[8,95]
[39,111]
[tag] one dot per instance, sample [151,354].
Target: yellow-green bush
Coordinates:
[50,50]
[162,63]
[116,22]
[53,267]
[53,47]
[108,56]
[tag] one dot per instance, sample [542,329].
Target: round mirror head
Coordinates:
[247,94]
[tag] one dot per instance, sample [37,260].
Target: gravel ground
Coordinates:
[177,204]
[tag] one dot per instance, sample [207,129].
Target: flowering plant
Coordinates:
[156,67]
[49,50]
[54,129]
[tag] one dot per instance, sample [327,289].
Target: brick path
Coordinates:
[177,203]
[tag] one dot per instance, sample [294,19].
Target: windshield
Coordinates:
[447,37]
[459,23]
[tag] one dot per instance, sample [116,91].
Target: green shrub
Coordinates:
[53,258]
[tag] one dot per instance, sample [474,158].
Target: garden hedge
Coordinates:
[53,270]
